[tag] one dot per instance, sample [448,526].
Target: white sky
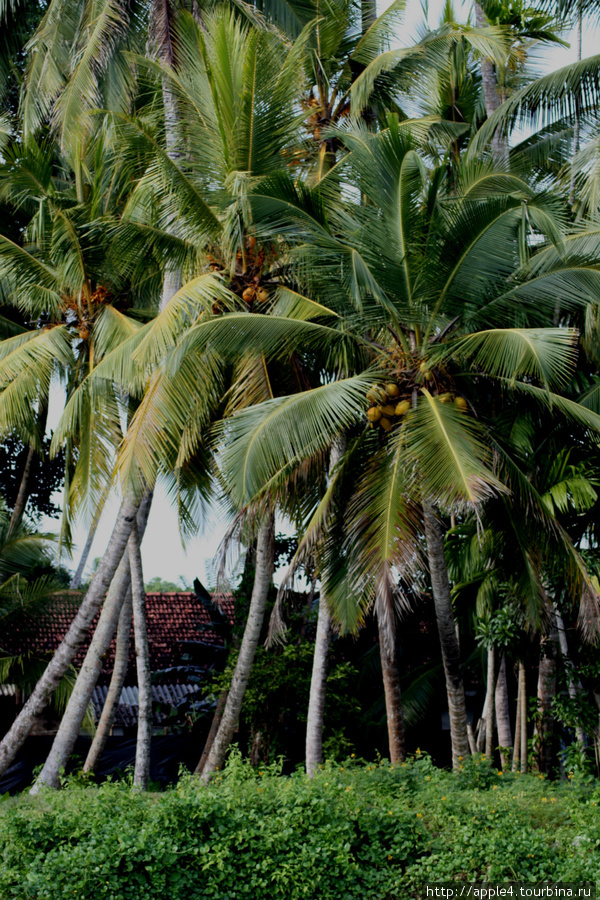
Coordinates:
[162,551]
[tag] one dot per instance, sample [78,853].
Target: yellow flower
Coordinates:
[495,788]
[352,755]
[460,757]
[419,815]
[443,798]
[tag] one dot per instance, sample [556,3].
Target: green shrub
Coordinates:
[374,832]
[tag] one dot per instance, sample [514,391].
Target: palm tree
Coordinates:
[425,276]
[71,297]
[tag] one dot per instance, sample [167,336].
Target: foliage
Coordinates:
[354,831]
[160,584]
[47,476]
[276,701]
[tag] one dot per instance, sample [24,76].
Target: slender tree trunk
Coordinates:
[78,631]
[523,693]
[577,125]
[214,725]
[546,692]
[318,682]
[574,686]
[172,275]
[503,714]
[141,774]
[391,687]
[471,737]
[490,710]
[117,681]
[25,483]
[24,491]
[76,580]
[517,745]
[481,725]
[491,93]
[87,678]
[265,557]
[446,628]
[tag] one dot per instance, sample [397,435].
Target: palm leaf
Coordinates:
[450,450]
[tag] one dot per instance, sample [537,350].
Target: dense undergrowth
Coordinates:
[357,830]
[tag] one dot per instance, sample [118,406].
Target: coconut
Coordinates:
[402,407]
[388,409]
[248,294]
[385,423]
[375,394]
[392,390]
[461,403]
[445,398]
[262,295]
[374,414]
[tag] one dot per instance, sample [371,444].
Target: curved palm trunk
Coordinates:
[447,631]
[26,476]
[318,681]
[73,639]
[503,714]
[87,678]
[76,580]
[71,722]
[24,490]
[85,553]
[265,557]
[117,681]
[391,688]
[141,773]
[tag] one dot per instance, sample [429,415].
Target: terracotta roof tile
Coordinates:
[174,619]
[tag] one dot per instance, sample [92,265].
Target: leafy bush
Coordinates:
[374,832]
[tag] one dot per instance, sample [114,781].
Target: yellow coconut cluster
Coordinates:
[385,405]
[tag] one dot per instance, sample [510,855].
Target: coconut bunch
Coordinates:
[388,406]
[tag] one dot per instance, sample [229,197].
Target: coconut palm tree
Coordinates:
[60,280]
[425,284]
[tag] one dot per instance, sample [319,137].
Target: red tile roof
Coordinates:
[173,619]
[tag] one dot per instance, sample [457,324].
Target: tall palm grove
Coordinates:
[287,257]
